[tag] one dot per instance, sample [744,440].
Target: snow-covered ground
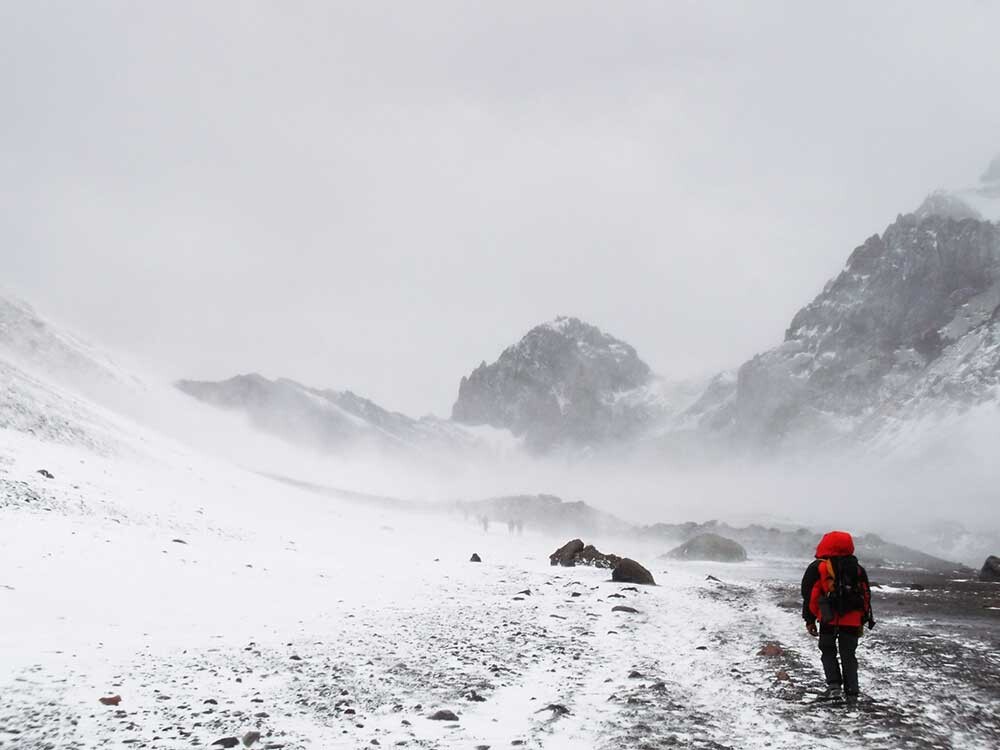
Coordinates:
[215,602]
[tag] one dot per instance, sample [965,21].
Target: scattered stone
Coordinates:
[623,608]
[295,657]
[443,715]
[46,473]
[111,700]
[783,676]
[709,547]
[250,737]
[771,649]
[557,709]
[227,742]
[629,571]
[178,541]
[526,592]
[475,558]
[701,648]
[991,569]
[475,697]
[634,675]
[712,578]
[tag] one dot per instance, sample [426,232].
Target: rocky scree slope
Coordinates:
[909,326]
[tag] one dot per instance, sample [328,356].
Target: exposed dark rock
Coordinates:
[475,558]
[566,555]
[111,700]
[629,571]
[623,608]
[556,708]
[443,715]
[592,556]
[227,742]
[991,569]
[250,737]
[46,473]
[575,552]
[709,547]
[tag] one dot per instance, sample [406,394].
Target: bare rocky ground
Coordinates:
[551,668]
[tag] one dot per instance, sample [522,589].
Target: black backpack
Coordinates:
[843,593]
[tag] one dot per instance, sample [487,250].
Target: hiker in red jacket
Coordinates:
[835,592]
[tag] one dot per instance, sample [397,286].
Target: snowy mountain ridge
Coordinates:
[908,329]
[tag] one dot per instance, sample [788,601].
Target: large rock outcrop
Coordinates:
[709,547]
[565,381]
[991,569]
[913,321]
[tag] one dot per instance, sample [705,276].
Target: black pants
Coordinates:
[846,640]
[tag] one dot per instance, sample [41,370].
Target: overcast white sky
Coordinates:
[378,196]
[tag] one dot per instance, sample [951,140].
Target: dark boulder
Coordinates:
[709,547]
[443,715]
[590,555]
[629,571]
[46,473]
[566,555]
[991,569]
[623,608]
[475,558]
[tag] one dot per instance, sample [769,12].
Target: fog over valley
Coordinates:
[491,376]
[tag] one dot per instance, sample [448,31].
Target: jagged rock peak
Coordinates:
[560,381]
[946,205]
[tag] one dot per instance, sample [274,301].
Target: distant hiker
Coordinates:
[835,591]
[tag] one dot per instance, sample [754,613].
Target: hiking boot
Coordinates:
[832,693]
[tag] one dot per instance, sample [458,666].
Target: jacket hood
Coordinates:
[835,544]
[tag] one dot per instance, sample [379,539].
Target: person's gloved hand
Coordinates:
[811,628]
[871,623]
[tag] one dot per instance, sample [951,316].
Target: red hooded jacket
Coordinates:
[835,544]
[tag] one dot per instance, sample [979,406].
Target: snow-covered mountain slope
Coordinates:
[909,328]
[327,419]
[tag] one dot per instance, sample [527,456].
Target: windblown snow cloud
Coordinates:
[379,196]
